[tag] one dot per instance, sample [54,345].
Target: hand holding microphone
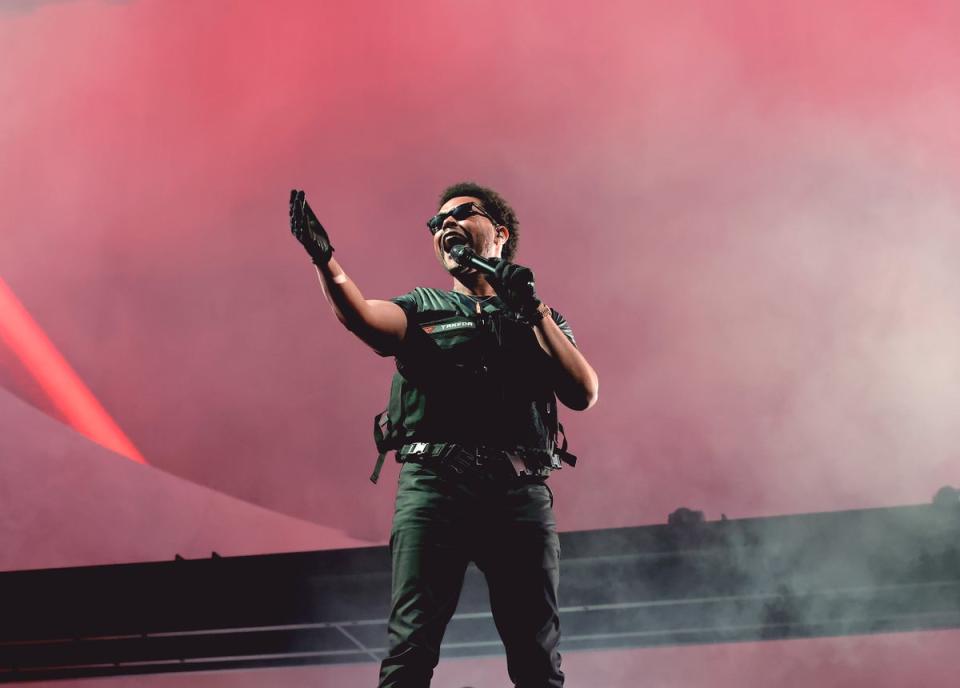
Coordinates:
[513,283]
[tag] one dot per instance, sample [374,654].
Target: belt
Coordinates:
[432,449]
[461,457]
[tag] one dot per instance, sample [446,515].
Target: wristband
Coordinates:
[543,310]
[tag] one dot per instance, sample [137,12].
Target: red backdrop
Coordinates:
[746,210]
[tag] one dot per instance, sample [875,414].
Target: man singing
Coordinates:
[472,416]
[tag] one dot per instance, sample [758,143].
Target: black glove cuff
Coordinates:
[322,260]
[534,312]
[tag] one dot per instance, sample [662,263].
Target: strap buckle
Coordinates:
[418,448]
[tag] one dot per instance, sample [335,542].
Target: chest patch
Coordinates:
[448,326]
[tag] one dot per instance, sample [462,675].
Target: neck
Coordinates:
[473,285]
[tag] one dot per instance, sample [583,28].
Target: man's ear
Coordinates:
[503,232]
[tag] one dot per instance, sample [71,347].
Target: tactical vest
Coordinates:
[470,379]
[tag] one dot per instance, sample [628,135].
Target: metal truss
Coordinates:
[826,574]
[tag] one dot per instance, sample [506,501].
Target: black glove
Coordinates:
[308,230]
[515,285]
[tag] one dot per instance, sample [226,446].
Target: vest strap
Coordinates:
[380,432]
[375,476]
[561,451]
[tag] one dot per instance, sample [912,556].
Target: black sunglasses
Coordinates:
[458,213]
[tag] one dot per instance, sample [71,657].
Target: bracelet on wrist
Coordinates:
[542,311]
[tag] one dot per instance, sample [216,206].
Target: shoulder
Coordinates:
[421,299]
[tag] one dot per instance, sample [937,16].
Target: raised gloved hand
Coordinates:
[515,285]
[306,228]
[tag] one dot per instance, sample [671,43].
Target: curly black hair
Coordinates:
[493,203]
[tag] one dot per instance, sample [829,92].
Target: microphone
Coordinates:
[466,257]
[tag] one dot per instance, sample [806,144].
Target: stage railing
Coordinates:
[825,574]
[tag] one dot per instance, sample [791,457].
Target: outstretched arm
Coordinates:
[381,325]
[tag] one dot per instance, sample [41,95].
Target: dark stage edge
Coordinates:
[826,574]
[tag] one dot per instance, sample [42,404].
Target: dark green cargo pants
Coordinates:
[443,521]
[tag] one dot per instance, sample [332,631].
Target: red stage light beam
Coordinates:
[81,409]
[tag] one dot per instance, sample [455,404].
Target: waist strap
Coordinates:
[432,449]
[416,449]
[530,463]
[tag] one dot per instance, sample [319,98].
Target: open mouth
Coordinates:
[452,239]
